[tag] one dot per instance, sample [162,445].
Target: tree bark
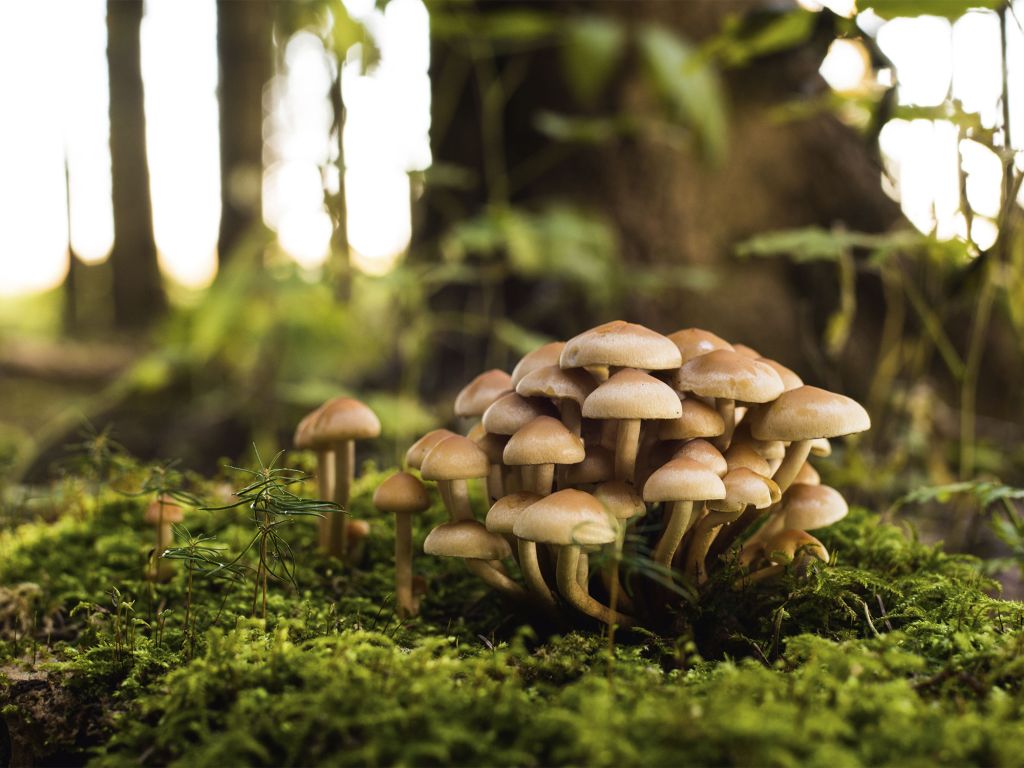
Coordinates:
[137,288]
[245,52]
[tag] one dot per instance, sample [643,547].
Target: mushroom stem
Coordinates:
[680,514]
[627,441]
[344,469]
[758,576]
[727,410]
[703,534]
[458,496]
[583,572]
[407,603]
[325,489]
[796,455]
[496,580]
[566,570]
[495,483]
[530,566]
[543,479]
[571,414]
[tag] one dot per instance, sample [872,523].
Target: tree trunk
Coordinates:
[245,52]
[137,289]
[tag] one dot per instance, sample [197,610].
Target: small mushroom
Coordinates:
[693,342]
[567,388]
[786,549]
[403,496]
[418,450]
[469,540]
[498,475]
[451,462]
[704,453]
[305,439]
[680,483]
[623,503]
[539,446]
[161,513]
[501,519]
[547,354]
[619,344]
[476,396]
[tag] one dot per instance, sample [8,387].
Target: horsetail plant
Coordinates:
[273,506]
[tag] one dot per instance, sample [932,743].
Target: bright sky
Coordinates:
[59,87]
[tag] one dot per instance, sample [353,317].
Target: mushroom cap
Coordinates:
[784,546]
[492,445]
[769,449]
[698,420]
[621,344]
[808,412]
[746,351]
[544,441]
[729,375]
[597,466]
[632,394]
[743,487]
[704,453]
[540,357]
[745,455]
[401,493]
[172,512]
[303,438]
[474,398]
[807,475]
[790,380]
[345,418]
[808,507]
[455,458]
[510,413]
[820,446]
[683,480]
[557,383]
[620,500]
[502,516]
[567,517]
[414,456]
[693,342]
[467,539]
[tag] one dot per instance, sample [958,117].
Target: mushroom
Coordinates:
[807,475]
[704,453]
[743,487]
[597,467]
[469,540]
[475,397]
[623,503]
[693,342]
[341,422]
[631,396]
[697,420]
[305,440]
[414,456]
[568,388]
[497,476]
[679,483]
[572,519]
[510,413]
[729,376]
[501,519]
[161,513]
[744,455]
[619,344]
[805,508]
[451,462]
[746,351]
[547,354]
[403,496]
[539,446]
[789,378]
[786,549]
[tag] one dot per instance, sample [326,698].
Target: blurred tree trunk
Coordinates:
[137,288]
[245,52]
[664,202]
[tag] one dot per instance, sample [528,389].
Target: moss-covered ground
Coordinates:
[896,654]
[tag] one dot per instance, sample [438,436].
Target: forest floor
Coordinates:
[894,654]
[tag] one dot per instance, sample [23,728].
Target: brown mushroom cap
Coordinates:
[704,453]
[632,394]
[693,342]
[729,375]
[468,539]
[303,438]
[621,344]
[539,358]
[502,516]
[820,446]
[808,507]
[476,396]
[746,351]
[807,475]
[557,383]
[597,466]
[171,513]
[808,412]
[568,517]
[510,413]
[414,456]
[789,378]
[743,488]
[345,418]
[784,546]
[544,441]
[401,493]
[620,500]
[455,458]
[683,480]
[492,445]
[744,455]
[698,420]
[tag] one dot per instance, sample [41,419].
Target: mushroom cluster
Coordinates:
[586,437]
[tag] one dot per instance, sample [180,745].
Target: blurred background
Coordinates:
[215,215]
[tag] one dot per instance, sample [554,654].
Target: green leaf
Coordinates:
[950,9]
[739,41]
[689,86]
[593,47]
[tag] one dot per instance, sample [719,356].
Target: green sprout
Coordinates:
[273,506]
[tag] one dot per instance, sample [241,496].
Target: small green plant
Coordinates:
[273,506]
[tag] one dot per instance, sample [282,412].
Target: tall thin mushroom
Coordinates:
[403,496]
[679,483]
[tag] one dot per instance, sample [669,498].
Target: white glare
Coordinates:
[921,50]
[845,67]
